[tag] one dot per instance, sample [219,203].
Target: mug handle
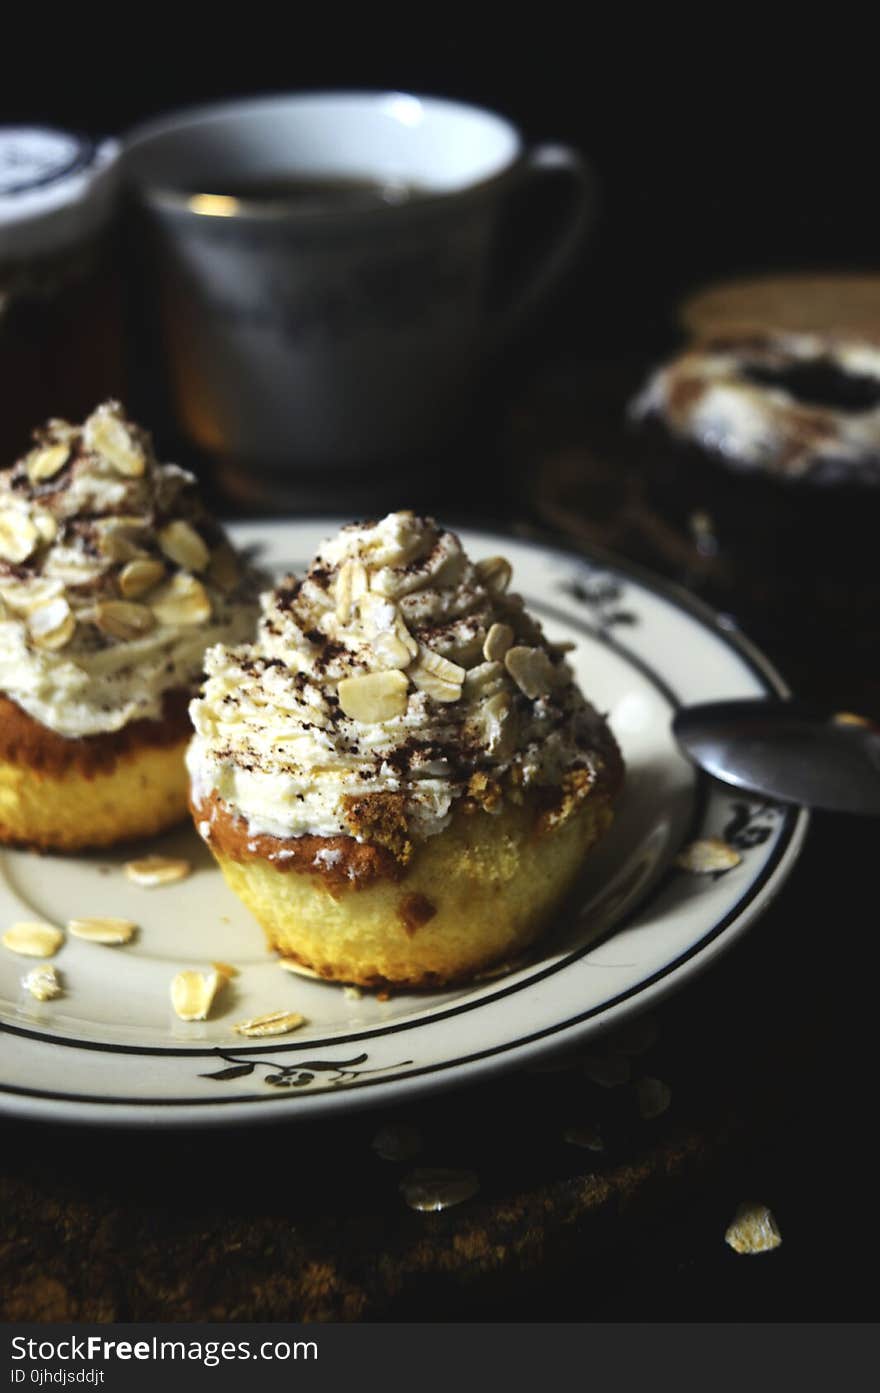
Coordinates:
[542,163]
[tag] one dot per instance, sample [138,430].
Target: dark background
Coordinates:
[721,143]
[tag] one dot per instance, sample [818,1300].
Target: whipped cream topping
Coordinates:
[708,397]
[113,578]
[394,666]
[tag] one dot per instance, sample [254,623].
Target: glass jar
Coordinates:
[61,348]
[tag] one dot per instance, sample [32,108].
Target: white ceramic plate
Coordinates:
[111,1050]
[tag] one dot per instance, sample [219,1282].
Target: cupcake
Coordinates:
[113,581]
[399,777]
[761,449]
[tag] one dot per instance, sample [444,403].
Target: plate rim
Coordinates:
[30,1103]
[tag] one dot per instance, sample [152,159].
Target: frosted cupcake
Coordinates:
[113,581]
[399,777]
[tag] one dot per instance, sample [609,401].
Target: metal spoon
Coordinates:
[787,751]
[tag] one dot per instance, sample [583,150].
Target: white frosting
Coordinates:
[273,742]
[96,682]
[705,397]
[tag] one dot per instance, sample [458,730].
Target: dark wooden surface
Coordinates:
[770,1059]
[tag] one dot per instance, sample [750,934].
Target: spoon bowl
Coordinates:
[786,751]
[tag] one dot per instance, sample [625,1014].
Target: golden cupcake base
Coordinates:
[478,893]
[59,794]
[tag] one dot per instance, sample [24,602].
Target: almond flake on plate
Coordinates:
[33,940]
[102,930]
[272,1023]
[157,870]
[192,993]
[753,1230]
[708,856]
[42,983]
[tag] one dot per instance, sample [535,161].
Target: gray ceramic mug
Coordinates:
[305,335]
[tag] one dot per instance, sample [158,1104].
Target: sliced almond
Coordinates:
[377,696]
[402,632]
[33,940]
[223,568]
[390,652]
[484,679]
[497,725]
[351,584]
[123,620]
[107,435]
[380,615]
[18,536]
[192,994]
[45,524]
[120,538]
[157,870]
[495,573]
[52,625]
[289,965]
[43,983]
[498,640]
[22,596]
[531,670]
[182,544]
[57,429]
[436,675]
[273,1023]
[139,576]
[181,600]
[708,856]
[73,570]
[45,464]
[102,930]
[753,1230]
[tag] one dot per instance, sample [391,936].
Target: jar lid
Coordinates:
[56,189]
